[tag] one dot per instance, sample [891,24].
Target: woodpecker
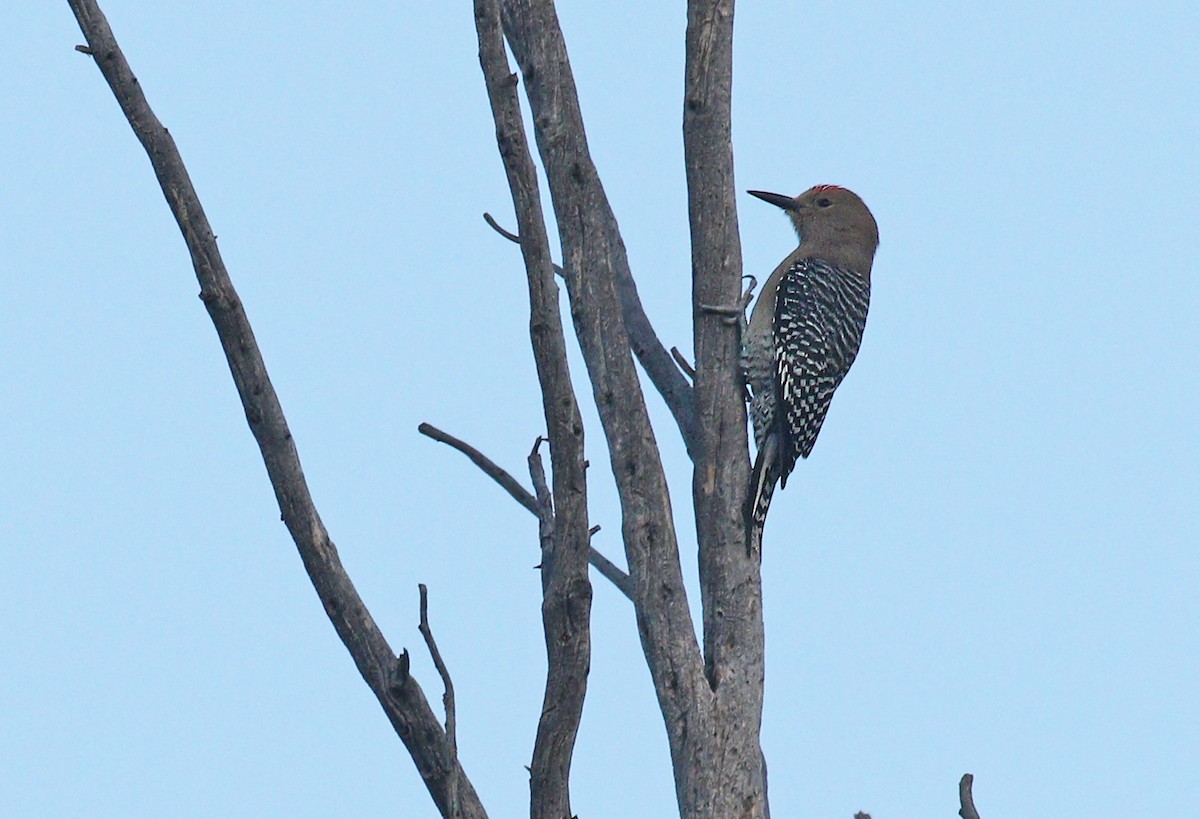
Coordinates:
[804,333]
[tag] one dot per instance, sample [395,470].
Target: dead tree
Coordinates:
[710,692]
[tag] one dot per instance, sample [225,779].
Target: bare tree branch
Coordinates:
[966,799]
[730,584]
[566,590]
[447,700]
[683,363]
[592,256]
[653,356]
[440,665]
[508,234]
[594,259]
[522,496]
[609,569]
[512,237]
[386,674]
[497,473]
[642,335]
[722,471]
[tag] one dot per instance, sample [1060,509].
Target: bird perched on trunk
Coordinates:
[804,333]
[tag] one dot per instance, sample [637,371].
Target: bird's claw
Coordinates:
[748,293]
[734,313]
[730,314]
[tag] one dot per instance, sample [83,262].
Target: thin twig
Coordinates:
[512,237]
[510,484]
[523,496]
[440,665]
[447,697]
[687,368]
[507,234]
[966,799]
[610,570]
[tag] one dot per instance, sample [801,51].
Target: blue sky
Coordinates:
[989,564]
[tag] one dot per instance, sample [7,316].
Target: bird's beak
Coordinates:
[776,199]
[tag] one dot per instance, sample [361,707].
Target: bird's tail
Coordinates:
[763,478]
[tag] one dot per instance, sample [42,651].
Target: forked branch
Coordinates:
[527,499]
[566,590]
[599,286]
[643,340]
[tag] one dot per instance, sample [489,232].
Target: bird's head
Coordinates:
[830,221]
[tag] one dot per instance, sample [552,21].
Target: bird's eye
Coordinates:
[823,203]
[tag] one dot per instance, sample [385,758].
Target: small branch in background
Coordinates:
[966,799]
[510,485]
[507,234]
[610,570]
[687,368]
[748,293]
[400,672]
[447,698]
[523,496]
[512,237]
[440,665]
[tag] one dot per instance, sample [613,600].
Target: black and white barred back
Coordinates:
[820,314]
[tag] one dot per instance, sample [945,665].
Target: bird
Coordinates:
[803,334]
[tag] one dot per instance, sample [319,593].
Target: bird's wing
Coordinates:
[820,312]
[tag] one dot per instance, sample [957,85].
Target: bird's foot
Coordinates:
[730,313]
[734,313]
[748,293]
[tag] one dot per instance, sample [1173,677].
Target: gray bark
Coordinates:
[386,674]
[566,590]
[730,583]
[711,703]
